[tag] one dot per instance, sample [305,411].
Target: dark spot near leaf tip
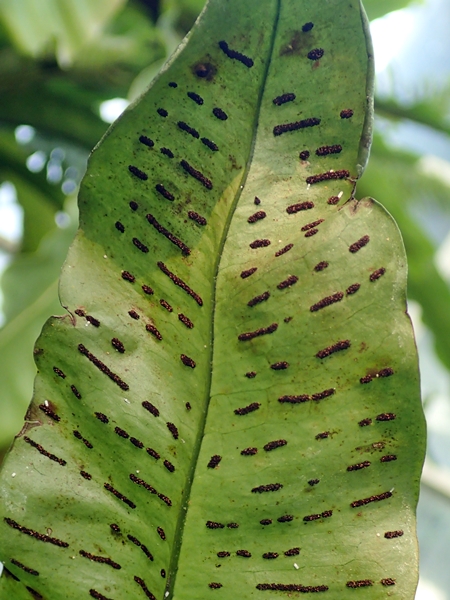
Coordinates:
[44,452]
[326,150]
[359,466]
[24,568]
[321,266]
[259,244]
[49,412]
[388,458]
[140,246]
[214,525]
[146,141]
[303,124]
[167,152]
[162,112]
[101,417]
[327,301]
[258,299]
[189,362]
[307,27]
[78,435]
[97,595]
[137,173]
[117,344]
[359,244]
[377,274]
[291,587]
[352,289]
[279,100]
[248,272]
[329,175]
[166,305]
[347,113]
[342,345]
[180,283]
[214,585]
[383,373]
[186,321]
[59,372]
[121,432]
[386,417]
[245,60]
[153,453]
[313,482]
[359,584]
[134,315]
[244,553]
[154,331]
[100,559]
[284,250]
[250,374]
[245,337]
[316,54]
[151,408]
[173,430]
[165,193]
[35,534]
[145,589]
[271,487]
[390,535]
[185,127]
[257,217]
[388,581]
[247,409]
[287,282]
[196,174]
[376,498]
[194,216]
[295,208]
[195,97]
[333,200]
[210,144]
[249,451]
[285,519]
[279,366]
[275,444]
[214,461]
[304,155]
[325,515]
[128,276]
[220,114]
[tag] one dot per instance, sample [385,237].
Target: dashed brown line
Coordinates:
[102,367]
[44,452]
[180,283]
[207,183]
[100,559]
[234,54]
[245,337]
[329,175]
[118,495]
[327,301]
[35,534]
[170,236]
[303,124]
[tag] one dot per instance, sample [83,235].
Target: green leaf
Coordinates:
[231,405]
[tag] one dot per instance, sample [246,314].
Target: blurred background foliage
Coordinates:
[67,68]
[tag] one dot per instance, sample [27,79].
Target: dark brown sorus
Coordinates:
[328,176]
[279,100]
[210,144]
[235,55]
[245,410]
[44,452]
[170,236]
[138,173]
[194,216]
[164,193]
[167,152]
[303,124]
[140,246]
[162,112]
[185,127]
[295,208]
[198,175]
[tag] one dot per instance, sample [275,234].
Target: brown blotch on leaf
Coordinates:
[166,305]
[303,124]
[214,525]
[321,266]
[167,234]
[44,452]
[266,521]
[133,205]
[311,232]
[151,408]
[386,417]
[145,589]
[186,360]
[328,176]
[390,535]
[291,280]
[185,127]
[146,141]
[377,274]
[270,487]
[365,422]
[232,525]
[285,519]
[275,444]
[186,321]
[154,331]
[388,458]
[235,55]
[100,559]
[352,289]
[257,216]
[313,482]
[128,276]
[270,555]
[24,568]
[359,244]
[245,410]
[376,498]
[359,466]
[136,443]
[121,432]
[49,412]
[250,335]
[138,173]
[194,216]
[316,54]
[388,581]
[323,436]
[59,372]
[173,430]
[347,113]
[101,417]
[326,150]
[341,345]
[161,533]
[210,144]
[249,451]
[153,453]
[304,155]
[248,272]
[215,585]
[284,250]
[223,554]
[311,225]
[35,534]
[359,584]
[250,374]
[117,344]
[119,226]
[292,552]
[165,193]
[93,321]
[280,366]
[167,152]
[162,112]
[279,100]
[327,301]
[134,315]
[195,97]
[214,461]
[295,208]
[198,175]
[333,200]
[258,299]
[260,244]
[180,283]
[244,553]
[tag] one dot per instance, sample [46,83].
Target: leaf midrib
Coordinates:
[173,568]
